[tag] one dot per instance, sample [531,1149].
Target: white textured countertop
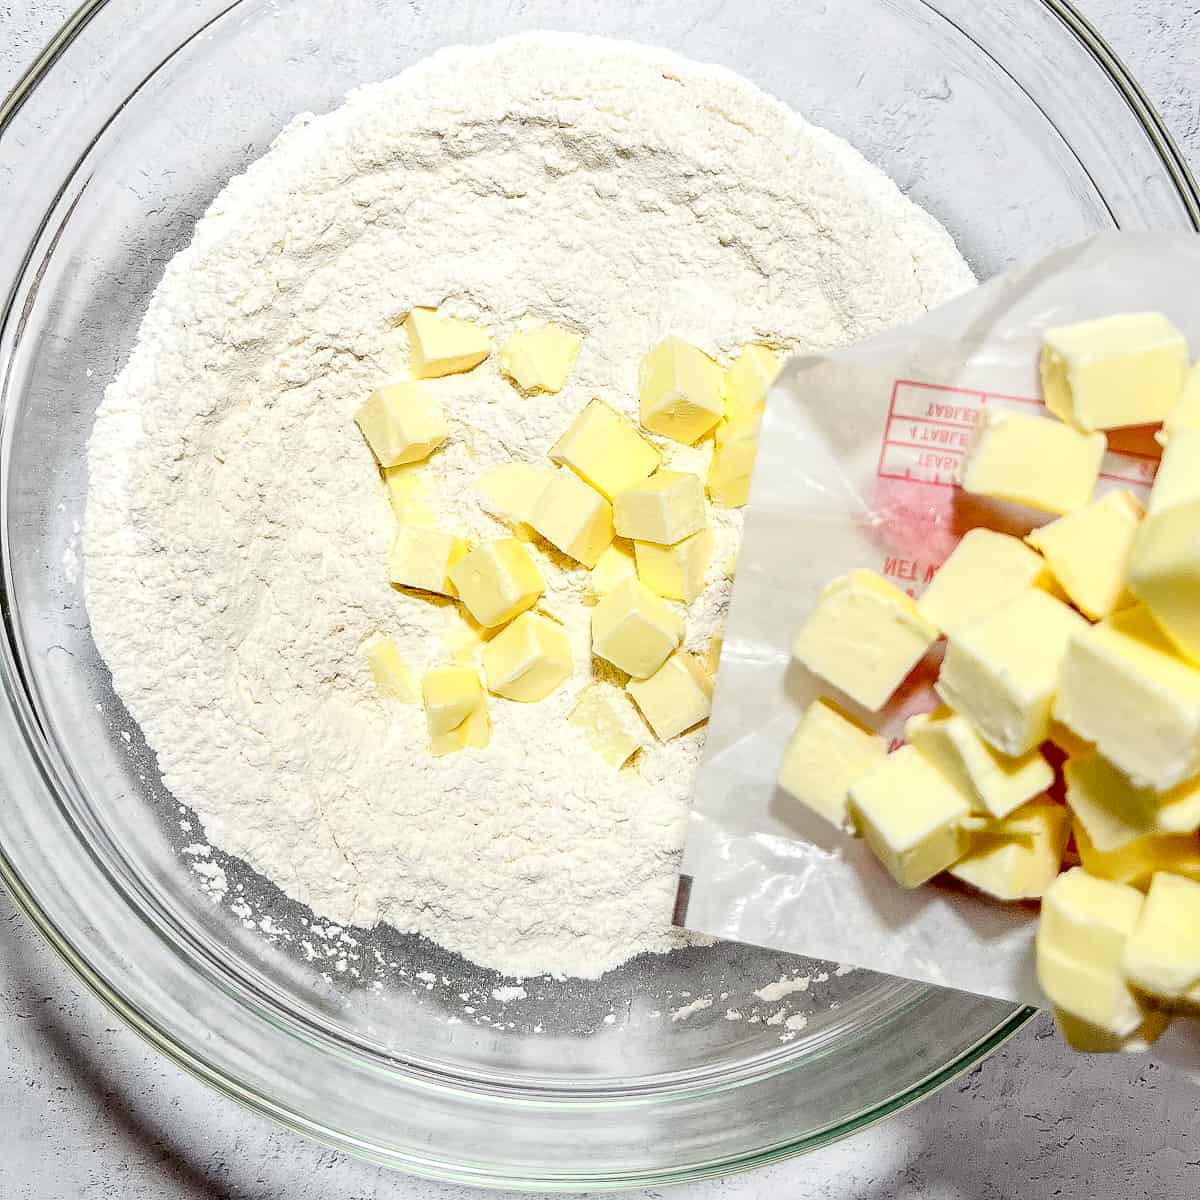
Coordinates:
[88,1111]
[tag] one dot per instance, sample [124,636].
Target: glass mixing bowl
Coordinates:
[1010,121]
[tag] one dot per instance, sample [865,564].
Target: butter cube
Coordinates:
[1081,940]
[732,464]
[1162,955]
[1003,673]
[606,450]
[512,490]
[634,630]
[613,567]
[393,679]
[497,580]
[1178,478]
[1164,574]
[864,637]
[1137,862]
[676,572]
[827,753]
[574,518]
[402,423]
[986,571]
[1032,461]
[407,494]
[994,783]
[680,391]
[1086,1039]
[1123,689]
[455,710]
[1122,370]
[909,814]
[539,360]
[528,659]
[676,698]
[610,724]
[1018,858]
[1088,552]
[443,345]
[1115,813]
[1186,413]
[423,558]
[665,508]
[748,380]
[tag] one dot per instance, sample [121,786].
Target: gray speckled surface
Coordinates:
[88,1111]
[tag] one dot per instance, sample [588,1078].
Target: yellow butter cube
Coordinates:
[1186,413]
[1178,478]
[1081,939]
[574,518]
[665,508]
[423,558]
[393,679]
[995,783]
[1122,688]
[910,814]
[402,423]
[676,572]
[1002,674]
[455,710]
[463,642]
[676,698]
[613,567]
[443,345]
[608,721]
[497,580]
[1028,460]
[528,659]
[1122,370]
[732,464]
[1164,574]
[680,391]
[748,380]
[1115,813]
[1162,955]
[408,494]
[512,490]
[712,656]
[1137,862]
[1017,858]
[1088,552]
[827,753]
[634,630]
[605,449]
[1086,1039]
[986,571]
[539,360]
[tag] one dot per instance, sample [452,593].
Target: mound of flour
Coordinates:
[237,530]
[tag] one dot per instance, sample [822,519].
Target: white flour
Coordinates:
[237,531]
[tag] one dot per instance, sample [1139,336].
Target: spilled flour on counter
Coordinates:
[237,530]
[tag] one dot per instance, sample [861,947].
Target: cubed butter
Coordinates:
[423,558]
[1032,461]
[1123,689]
[1164,574]
[676,698]
[1162,955]
[440,345]
[605,449]
[1137,862]
[732,465]
[665,508]
[1088,552]
[539,360]
[512,490]
[1017,858]
[1115,371]
[607,719]
[910,814]
[676,572]
[1085,1039]
[680,391]
[402,423]
[408,494]
[748,380]
[1186,413]
[986,571]
[995,784]
[455,710]
[528,659]
[1178,478]
[1002,674]
[574,518]
[864,636]
[496,581]
[827,753]
[634,630]
[613,567]
[393,679]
